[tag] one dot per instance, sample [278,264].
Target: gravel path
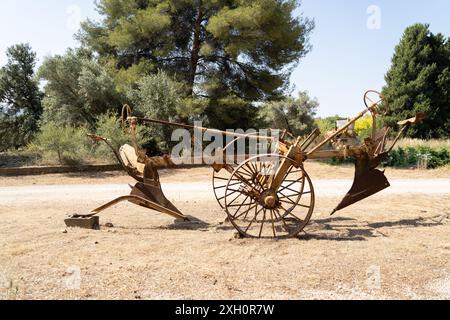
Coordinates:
[203,190]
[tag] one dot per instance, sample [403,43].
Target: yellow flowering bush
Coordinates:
[363,126]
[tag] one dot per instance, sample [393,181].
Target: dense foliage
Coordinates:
[326,124]
[419,80]
[77,89]
[66,144]
[227,54]
[413,156]
[293,114]
[110,127]
[20,98]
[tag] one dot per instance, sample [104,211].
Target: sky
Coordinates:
[353,41]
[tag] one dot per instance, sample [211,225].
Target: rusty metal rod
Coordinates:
[186,126]
[310,139]
[320,145]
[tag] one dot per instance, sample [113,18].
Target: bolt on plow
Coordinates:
[267,195]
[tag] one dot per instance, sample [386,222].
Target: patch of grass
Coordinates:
[434,144]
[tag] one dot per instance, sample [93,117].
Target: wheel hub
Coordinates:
[269,199]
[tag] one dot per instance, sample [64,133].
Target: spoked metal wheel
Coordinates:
[257,210]
[220,182]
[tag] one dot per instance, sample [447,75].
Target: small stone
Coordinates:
[63,230]
[109,225]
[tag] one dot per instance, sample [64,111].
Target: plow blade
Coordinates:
[155,200]
[368,181]
[147,196]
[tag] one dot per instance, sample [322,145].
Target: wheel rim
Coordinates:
[257,211]
[220,182]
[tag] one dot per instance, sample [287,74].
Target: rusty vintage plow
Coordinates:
[269,195]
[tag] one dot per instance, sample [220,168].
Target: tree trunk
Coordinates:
[196,44]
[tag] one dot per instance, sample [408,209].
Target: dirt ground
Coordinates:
[391,246]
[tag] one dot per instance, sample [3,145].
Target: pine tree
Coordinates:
[227,53]
[20,98]
[419,80]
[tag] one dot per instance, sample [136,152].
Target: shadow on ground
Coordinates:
[331,229]
[348,229]
[192,224]
[10,160]
[93,175]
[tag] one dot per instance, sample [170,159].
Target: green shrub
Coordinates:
[409,156]
[158,96]
[110,126]
[326,124]
[67,145]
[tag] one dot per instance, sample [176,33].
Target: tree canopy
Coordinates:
[77,89]
[227,53]
[20,97]
[419,80]
[293,114]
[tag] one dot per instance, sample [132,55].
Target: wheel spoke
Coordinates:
[256,216]
[297,180]
[289,212]
[245,173]
[254,166]
[246,212]
[286,197]
[249,209]
[247,166]
[244,180]
[273,223]
[293,172]
[288,173]
[284,188]
[229,204]
[249,173]
[241,205]
[226,179]
[282,220]
[227,195]
[296,192]
[262,223]
[224,186]
[292,190]
[292,195]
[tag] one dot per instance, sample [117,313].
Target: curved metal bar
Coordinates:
[148,204]
[126,114]
[239,138]
[116,154]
